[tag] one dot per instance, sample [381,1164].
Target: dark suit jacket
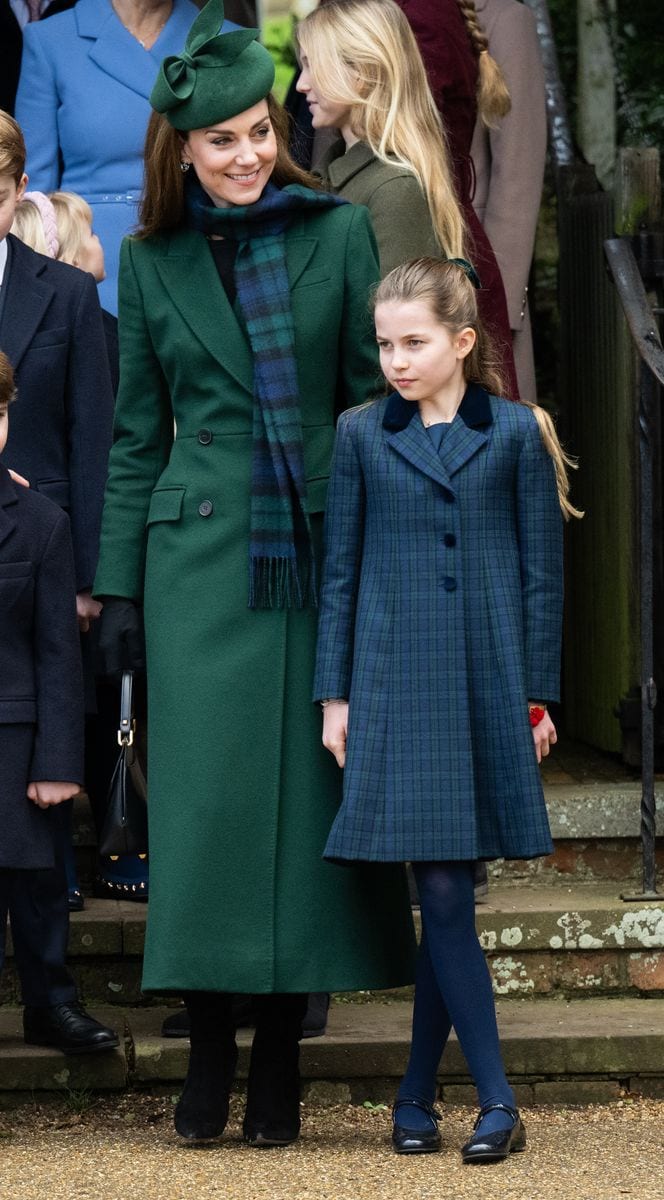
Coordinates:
[61,425]
[11,45]
[41,682]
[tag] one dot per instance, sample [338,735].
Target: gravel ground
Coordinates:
[125,1149]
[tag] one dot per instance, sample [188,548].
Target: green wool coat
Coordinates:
[398,207]
[242,792]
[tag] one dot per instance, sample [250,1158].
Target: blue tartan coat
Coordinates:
[440,616]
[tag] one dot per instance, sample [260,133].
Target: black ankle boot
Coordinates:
[202,1110]
[272,1116]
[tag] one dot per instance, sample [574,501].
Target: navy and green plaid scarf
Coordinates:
[281,560]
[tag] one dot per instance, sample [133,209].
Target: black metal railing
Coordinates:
[645,336]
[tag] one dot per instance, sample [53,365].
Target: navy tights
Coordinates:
[452,988]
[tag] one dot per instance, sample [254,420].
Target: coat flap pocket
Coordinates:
[317,494]
[57,336]
[57,490]
[166,504]
[322,275]
[15,570]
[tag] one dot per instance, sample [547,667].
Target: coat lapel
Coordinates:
[190,277]
[119,54]
[7,500]
[467,434]
[191,280]
[30,298]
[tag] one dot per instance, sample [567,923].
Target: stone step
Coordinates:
[595,827]
[596,833]
[556,1052]
[540,941]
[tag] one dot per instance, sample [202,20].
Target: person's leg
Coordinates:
[272,1116]
[460,968]
[431,1029]
[39,916]
[202,1110]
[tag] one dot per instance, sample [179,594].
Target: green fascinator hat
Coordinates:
[217,76]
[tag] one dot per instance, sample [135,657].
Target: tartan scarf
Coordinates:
[281,558]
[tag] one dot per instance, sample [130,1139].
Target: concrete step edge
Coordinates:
[582,1040]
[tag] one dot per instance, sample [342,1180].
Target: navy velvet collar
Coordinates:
[474,410]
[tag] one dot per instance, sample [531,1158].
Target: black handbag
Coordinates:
[125,828]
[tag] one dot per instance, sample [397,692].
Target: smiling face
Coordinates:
[10,194]
[420,357]
[234,159]
[325,114]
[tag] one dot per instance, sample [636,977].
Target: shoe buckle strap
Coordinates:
[496,1108]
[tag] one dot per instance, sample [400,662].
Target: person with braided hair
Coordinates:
[362,74]
[466,83]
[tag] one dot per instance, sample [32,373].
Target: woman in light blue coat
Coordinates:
[82,102]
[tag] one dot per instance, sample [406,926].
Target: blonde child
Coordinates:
[60,226]
[438,650]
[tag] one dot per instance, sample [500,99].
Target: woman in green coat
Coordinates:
[244,330]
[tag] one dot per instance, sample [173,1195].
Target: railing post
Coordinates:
[648,398]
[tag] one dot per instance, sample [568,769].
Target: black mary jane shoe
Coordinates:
[415,1141]
[492,1147]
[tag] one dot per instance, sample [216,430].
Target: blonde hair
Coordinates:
[73,217]
[12,148]
[493,98]
[363,54]
[449,293]
[29,227]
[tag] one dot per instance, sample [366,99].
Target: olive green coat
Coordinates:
[399,211]
[241,792]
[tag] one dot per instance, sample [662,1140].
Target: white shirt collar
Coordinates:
[3,258]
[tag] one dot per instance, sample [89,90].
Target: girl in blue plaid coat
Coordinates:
[439,646]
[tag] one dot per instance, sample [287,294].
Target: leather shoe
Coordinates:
[66,1027]
[492,1147]
[415,1141]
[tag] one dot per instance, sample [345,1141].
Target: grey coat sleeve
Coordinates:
[510,159]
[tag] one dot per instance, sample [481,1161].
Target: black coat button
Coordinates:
[205,436]
[450,539]
[206,508]
[449,583]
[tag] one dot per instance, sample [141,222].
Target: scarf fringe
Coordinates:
[282,583]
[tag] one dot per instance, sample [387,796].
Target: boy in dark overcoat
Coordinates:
[41,750]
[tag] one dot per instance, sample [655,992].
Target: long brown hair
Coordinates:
[493,98]
[162,205]
[446,288]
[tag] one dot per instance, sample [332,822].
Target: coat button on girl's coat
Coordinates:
[206,508]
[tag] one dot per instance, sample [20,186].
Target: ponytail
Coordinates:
[493,98]
[562,461]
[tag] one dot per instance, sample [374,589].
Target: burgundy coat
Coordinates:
[452,69]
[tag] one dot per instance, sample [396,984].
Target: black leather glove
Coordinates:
[121,636]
